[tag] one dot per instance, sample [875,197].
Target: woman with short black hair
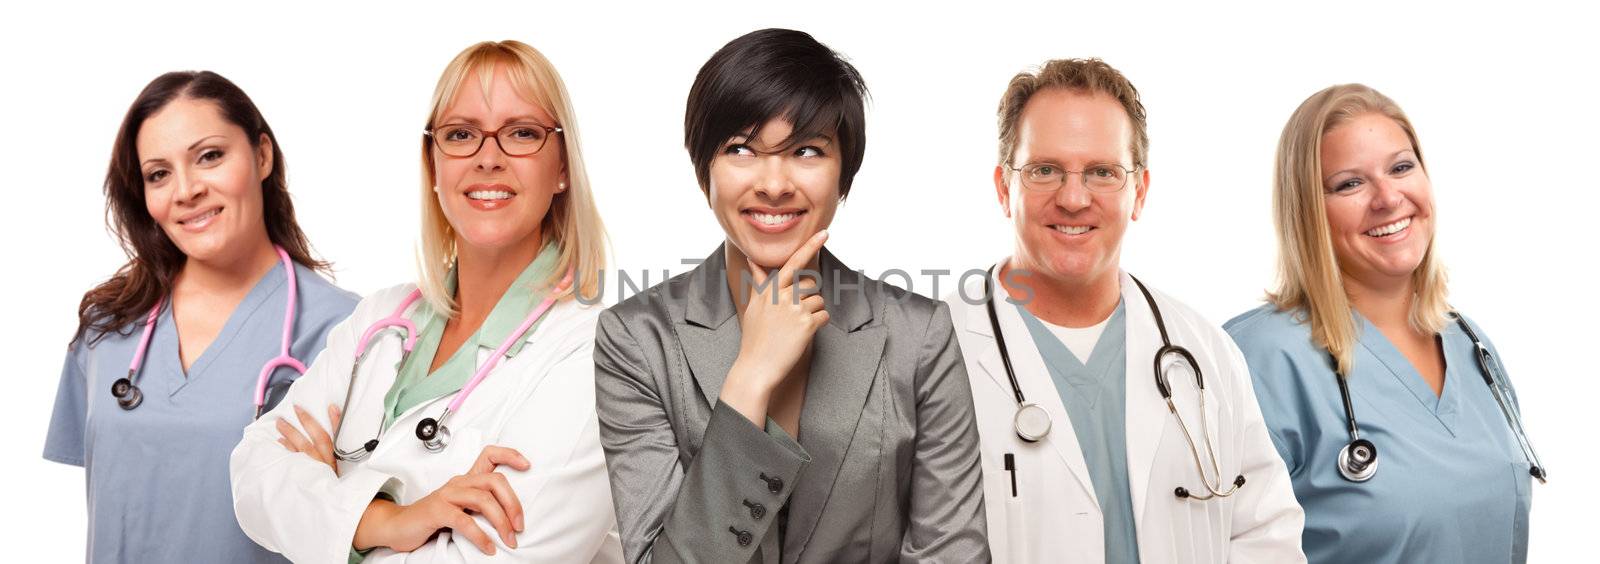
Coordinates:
[773,404]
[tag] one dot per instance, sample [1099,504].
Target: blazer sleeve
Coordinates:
[946,521]
[672,510]
[1267,520]
[286,501]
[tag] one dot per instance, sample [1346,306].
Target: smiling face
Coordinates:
[1378,199]
[494,201]
[1071,235]
[202,180]
[771,196]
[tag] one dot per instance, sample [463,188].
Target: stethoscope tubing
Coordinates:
[433,432]
[1359,469]
[1162,386]
[127,391]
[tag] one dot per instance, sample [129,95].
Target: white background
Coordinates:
[1503,98]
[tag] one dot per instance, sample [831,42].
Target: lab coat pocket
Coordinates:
[1018,533]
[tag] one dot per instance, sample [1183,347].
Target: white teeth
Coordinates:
[1390,229]
[1073,229]
[489,195]
[773,218]
[202,217]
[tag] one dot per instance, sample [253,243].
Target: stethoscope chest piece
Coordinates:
[128,395]
[433,434]
[1358,460]
[1032,422]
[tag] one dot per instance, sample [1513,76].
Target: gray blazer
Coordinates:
[886,466]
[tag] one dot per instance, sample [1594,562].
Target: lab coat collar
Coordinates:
[1032,374]
[1146,413]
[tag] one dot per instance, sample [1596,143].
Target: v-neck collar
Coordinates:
[415,384]
[265,287]
[1444,406]
[1086,379]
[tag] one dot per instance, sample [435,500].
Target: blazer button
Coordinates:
[774,485]
[742,536]
[757,511]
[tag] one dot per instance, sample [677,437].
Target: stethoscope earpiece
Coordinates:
[1358,460]
[128,395]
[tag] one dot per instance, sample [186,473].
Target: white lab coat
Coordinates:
[1054,516]
[539,402]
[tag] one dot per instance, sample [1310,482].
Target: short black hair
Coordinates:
[773,73]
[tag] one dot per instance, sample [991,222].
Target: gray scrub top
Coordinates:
[158,475]
[1095,396]
[1452,484]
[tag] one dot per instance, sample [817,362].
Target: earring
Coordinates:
[562,187]
[436,188]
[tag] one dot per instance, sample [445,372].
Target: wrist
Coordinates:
[371,529]
[746,392]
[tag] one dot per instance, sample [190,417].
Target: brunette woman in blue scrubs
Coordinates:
[198,200]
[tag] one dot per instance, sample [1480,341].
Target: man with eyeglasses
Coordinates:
[1117,425]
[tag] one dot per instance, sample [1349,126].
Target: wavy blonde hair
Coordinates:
[1309,279]
[573,221]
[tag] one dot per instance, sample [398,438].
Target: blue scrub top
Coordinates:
[1451,486]
[158,475]
[1095,395]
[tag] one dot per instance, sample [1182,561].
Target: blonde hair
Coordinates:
[1309,279]
[572,223]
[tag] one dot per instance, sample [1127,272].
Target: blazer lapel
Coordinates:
[844,364]
[708,331]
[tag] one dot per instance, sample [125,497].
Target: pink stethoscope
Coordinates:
[126,390]
[433,433]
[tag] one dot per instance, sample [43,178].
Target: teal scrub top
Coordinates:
[1452,484]
[415,384]
[1095,396]
[158,488]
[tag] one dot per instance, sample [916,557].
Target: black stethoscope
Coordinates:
[1032,422]
[1358,460]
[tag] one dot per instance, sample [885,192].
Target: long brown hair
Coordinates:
[153,259]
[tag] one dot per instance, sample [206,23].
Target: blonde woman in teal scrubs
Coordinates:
[1435,469]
